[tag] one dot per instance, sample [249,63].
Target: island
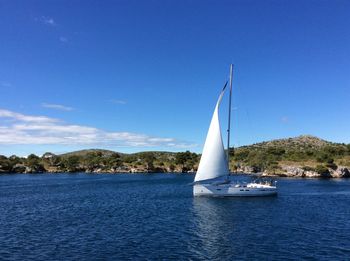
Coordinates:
[302,156]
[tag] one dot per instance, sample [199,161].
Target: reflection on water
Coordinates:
[214,224]
[235,228]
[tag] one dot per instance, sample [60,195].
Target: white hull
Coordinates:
[234,190]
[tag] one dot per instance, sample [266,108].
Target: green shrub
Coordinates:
[320,169]
[332,165]
[307,168]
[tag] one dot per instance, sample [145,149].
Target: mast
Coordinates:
[229,118]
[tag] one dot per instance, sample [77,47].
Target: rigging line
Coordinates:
[229,119]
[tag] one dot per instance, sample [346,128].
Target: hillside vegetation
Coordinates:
[304,152]
[101,161]
[300,156]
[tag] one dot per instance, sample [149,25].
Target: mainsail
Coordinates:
[213,163]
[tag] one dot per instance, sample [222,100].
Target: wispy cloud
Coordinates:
[56,106]
[115,101]
[48,21]
[5,84]
[285,119]
[26,118]
[40,130]
[63,39]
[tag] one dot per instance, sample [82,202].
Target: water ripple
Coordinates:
[147,217]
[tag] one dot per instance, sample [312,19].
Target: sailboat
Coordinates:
[212,177]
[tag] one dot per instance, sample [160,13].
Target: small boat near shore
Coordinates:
[212,177]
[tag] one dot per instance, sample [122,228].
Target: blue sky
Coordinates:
[145,75]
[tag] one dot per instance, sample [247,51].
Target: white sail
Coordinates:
[213,163]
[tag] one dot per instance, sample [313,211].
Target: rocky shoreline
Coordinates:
[299,172]
[22,169]
[286,171]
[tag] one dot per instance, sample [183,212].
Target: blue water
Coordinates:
[135,216]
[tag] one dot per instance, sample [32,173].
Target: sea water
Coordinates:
[155,217]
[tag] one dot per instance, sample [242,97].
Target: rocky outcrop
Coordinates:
[292,171]
[340,172]
[248,169]
[125,169]
[3,169]
[306,172]
[34,169]
[19,168]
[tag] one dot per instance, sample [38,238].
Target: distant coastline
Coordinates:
[303,156]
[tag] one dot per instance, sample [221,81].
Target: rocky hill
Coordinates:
[83,153]
[300,142]
[304,156]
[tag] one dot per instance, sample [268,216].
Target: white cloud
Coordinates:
[25,118]
[5,84]
[48,21]
[118,101]
[285,119]
[41,130]
[63,39]
[56,106]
